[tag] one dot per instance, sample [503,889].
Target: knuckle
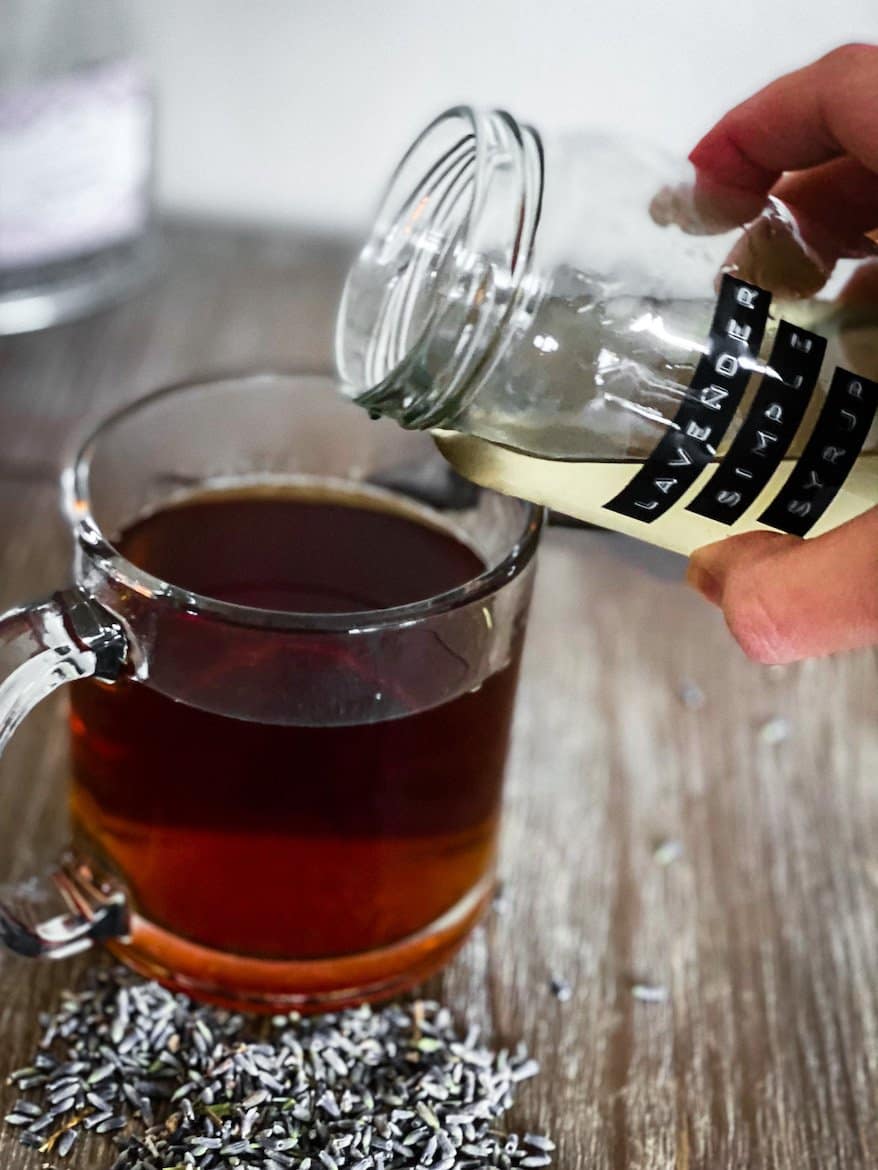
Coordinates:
[854,55]
[762,632]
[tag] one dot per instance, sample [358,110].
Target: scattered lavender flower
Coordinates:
[775,730]
[561,989]
[667,851]
[183,1086]
[649,992]
[691,695]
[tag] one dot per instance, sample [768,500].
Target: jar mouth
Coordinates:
[426,301]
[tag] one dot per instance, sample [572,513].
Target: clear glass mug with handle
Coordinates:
[222,840]
[575,329]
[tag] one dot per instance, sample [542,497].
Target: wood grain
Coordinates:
[724,1013]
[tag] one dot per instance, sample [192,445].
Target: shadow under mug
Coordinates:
[209,869]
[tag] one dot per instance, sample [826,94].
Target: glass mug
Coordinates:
[560,312]
[272,808]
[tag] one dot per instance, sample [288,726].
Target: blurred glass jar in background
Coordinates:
[76,161]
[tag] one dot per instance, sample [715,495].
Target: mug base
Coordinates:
[307,986]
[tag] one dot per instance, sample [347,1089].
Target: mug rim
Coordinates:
[100,549]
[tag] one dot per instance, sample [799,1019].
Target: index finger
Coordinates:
[826,110]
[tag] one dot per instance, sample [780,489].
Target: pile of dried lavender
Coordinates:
[188,1086]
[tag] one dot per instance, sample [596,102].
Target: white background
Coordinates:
[296,110]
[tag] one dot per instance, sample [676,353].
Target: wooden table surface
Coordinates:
[704,877]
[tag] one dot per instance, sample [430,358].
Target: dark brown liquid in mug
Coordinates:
[283,841]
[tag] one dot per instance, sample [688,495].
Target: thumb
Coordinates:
[785,599]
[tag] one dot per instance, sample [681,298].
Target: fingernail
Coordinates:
[704,583]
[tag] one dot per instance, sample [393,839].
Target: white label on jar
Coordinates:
[75,157]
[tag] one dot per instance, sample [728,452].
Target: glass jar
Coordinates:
[76,156]
[555,309]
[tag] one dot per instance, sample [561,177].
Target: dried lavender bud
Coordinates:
[198,1087]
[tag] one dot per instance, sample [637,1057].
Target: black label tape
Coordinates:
[713,396]
[769,428]
[829,455]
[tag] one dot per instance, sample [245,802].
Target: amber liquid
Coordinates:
[284,841]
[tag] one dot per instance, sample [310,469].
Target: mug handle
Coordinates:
[67,637]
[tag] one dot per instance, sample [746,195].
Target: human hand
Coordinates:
[811,139]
